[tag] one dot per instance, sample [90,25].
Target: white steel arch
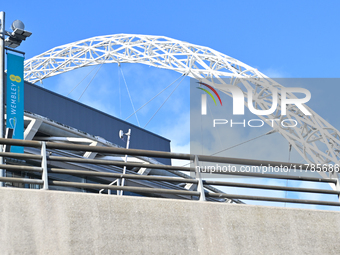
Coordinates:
[314,138]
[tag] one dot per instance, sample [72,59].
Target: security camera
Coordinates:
[121,134]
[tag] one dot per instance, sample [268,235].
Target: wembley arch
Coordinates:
[314,138]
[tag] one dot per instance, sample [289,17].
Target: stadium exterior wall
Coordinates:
[87,119]
[50,222]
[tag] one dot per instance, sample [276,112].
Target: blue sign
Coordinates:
[15,98]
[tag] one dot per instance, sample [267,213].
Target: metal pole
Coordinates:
[125,160]
[2,84]
[335,175]
[200,187]
[120,192]
[44,176]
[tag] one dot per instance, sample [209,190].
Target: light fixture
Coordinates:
[18,35]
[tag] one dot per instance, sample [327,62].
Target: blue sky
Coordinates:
[280,38]
[296,38]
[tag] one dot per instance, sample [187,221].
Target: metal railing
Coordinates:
[201,192]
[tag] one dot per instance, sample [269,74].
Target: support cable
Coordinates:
[81,81]
[164,101]
[154,97]
[90,82]
[236,145]
[268,133]
[133,107]
[120,95]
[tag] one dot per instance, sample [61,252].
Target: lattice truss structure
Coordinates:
[314,138]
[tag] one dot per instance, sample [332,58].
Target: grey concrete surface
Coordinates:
[51,222]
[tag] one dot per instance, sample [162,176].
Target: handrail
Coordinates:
[125,188]
[272,187]
[273,199]
[21,180]
[120,163]
[201,184]
[125,176]
[149,153]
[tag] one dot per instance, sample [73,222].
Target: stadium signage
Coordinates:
[15,98]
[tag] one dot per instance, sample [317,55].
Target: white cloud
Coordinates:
[275,73]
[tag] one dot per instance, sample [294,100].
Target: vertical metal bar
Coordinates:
[200,187]
[335,175]
[120,192]
[2,85]
[44,165]
[125,160]
[109,192]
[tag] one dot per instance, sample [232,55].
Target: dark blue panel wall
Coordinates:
[74,114]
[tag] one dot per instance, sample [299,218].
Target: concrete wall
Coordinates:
[50,222]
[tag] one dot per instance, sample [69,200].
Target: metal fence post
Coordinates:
[44,165]
[335,175]
[109,192]
[200,187]
[125,160]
